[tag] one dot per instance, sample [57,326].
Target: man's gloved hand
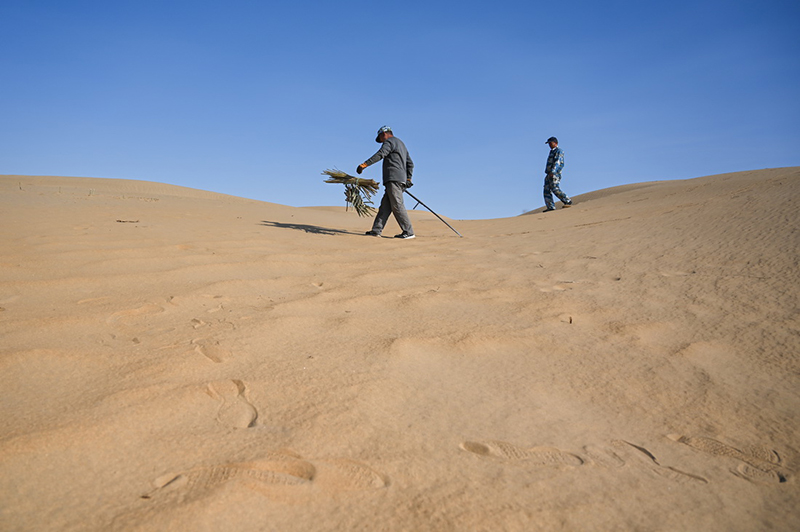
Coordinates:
[409,184]
[360,168]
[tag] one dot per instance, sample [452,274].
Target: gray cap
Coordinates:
[551,139]
[384,129]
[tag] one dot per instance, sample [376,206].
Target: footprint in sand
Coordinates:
[236,411]
[210,349]
[343,474]
[647,459]
[542,456]
[761,464]
[277,470]
[281,475]
[603,457]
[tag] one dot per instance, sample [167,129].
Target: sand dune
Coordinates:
[174,359]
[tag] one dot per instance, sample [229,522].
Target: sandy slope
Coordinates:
[177,359]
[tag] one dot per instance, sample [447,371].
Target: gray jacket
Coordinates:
[397,163]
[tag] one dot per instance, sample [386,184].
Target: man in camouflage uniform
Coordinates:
[555,163]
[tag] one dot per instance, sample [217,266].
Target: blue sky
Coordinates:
[256,98]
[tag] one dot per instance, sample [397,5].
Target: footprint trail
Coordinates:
[761,464]
[236,410]
[541,456]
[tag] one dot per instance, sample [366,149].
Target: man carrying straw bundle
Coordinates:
[397,170]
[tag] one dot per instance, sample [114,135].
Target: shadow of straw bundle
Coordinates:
[357,192]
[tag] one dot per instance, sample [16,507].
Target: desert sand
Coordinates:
[174,359]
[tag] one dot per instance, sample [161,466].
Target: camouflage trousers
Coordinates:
[551,187]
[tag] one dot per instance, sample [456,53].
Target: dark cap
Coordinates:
[551,139]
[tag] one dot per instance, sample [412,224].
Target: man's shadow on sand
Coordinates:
[307,228]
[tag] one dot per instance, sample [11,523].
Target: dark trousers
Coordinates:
[392,203]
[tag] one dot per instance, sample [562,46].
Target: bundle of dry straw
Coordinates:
[357,192]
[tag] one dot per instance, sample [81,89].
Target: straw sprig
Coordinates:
[357,191]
